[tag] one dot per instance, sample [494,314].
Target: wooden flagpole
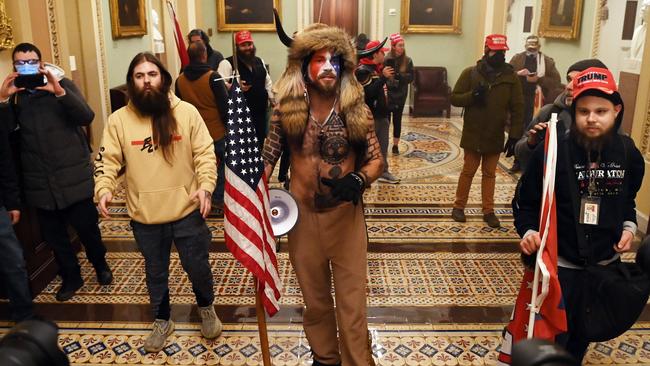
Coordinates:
[261,325]
[259,307]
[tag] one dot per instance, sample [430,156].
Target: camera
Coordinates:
[32,343]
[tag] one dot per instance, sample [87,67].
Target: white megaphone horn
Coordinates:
[284,211]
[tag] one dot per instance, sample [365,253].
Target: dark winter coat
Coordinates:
[54,151]
[9,193]
[484,123]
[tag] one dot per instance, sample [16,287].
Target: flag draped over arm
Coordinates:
[247,221]
[178,37]
[546,317]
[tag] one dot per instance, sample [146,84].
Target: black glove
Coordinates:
[479,93]
[509,148]
[348,188]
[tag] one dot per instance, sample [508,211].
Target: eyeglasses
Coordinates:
[26,62]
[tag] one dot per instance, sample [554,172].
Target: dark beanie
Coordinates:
[583,65]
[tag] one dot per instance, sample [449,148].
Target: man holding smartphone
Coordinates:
[540,80]
[56,164]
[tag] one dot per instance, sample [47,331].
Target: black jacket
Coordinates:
[374,88]
[618,178]
[398,88]
[54,151]
[9,193]
[257,96]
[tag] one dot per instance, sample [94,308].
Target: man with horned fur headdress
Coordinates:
[335,155]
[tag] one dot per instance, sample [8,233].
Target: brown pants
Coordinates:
[488,169]
[337,238]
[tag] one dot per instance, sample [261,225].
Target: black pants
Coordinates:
[396,116]
[573,287]
[83,217]
[191,237]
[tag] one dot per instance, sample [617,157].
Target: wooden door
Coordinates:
[340,13]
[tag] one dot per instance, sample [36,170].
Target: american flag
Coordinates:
[247,221]
[542,316]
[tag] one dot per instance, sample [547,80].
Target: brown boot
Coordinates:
[458,214]
[492,220]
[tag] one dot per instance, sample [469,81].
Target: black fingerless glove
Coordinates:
[509,147]
[348,188]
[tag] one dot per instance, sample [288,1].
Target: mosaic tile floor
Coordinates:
[415,345]
[408,224]
[394,279]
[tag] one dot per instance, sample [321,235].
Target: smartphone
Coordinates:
[390,63]
[30,81]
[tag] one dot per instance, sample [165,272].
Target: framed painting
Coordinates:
[560,19]
[128,18]
[6,32]
[252,15]
[431,16]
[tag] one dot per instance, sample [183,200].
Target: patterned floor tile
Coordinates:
[416,344]
[394,279]
[380,230]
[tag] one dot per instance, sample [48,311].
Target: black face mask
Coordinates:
[497,60]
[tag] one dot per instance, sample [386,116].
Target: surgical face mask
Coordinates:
[27,69]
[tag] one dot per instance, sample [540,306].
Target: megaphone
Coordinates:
[284,211]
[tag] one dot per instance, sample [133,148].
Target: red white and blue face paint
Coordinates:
[324,66]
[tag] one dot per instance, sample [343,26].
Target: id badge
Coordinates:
[589,210]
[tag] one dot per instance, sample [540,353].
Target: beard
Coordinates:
[327,90]
[247,57]
[592,144]
[150,102]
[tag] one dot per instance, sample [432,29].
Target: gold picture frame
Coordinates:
[128,18]
[6,31]
[431,16]
[252,15]
[560,23]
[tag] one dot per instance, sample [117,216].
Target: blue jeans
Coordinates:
[219,150]
[13,270]
[191,237]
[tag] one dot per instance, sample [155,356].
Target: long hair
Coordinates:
[163,124]
[401,62]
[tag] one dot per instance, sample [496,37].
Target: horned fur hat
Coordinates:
[291,89]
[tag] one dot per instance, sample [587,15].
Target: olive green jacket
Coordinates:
[484,124]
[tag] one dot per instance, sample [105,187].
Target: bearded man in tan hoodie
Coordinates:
[170,176]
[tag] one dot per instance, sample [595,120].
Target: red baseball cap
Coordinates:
[594,78]
[243,36]
[395,38]
[496,42]
[373,44]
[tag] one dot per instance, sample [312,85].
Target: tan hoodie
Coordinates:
[157,192]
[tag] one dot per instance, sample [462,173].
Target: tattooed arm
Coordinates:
[273,144]
[373,165]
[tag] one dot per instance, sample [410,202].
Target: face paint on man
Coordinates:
[324,69]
